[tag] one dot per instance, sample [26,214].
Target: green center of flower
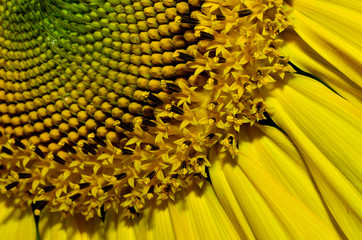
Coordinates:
[112,103]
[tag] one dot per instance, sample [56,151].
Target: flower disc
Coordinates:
[113,103]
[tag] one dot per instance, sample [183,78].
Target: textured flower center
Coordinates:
[113,103]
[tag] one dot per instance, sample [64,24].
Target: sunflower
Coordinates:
[147,119]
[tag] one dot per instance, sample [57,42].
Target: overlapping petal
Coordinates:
[197,215]
[119,227]
[308,60]
[343,19]
[205,216]
[16,223]
[327,131]
[274,151]
[332,30]
[53,227]
[272,212]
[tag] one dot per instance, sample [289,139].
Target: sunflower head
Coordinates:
[114,103]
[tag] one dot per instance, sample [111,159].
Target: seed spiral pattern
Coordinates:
[112,103]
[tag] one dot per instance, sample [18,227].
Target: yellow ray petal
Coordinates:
[53,227]
[261,219]
[198,214]
[15,223]
[231,205]
[155,223]
[340,47]
[341,18]
[327,131]
[271,211]
[118,227]
[275,153]
[351,4]
[329,121]
[304,57]
[240,212]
